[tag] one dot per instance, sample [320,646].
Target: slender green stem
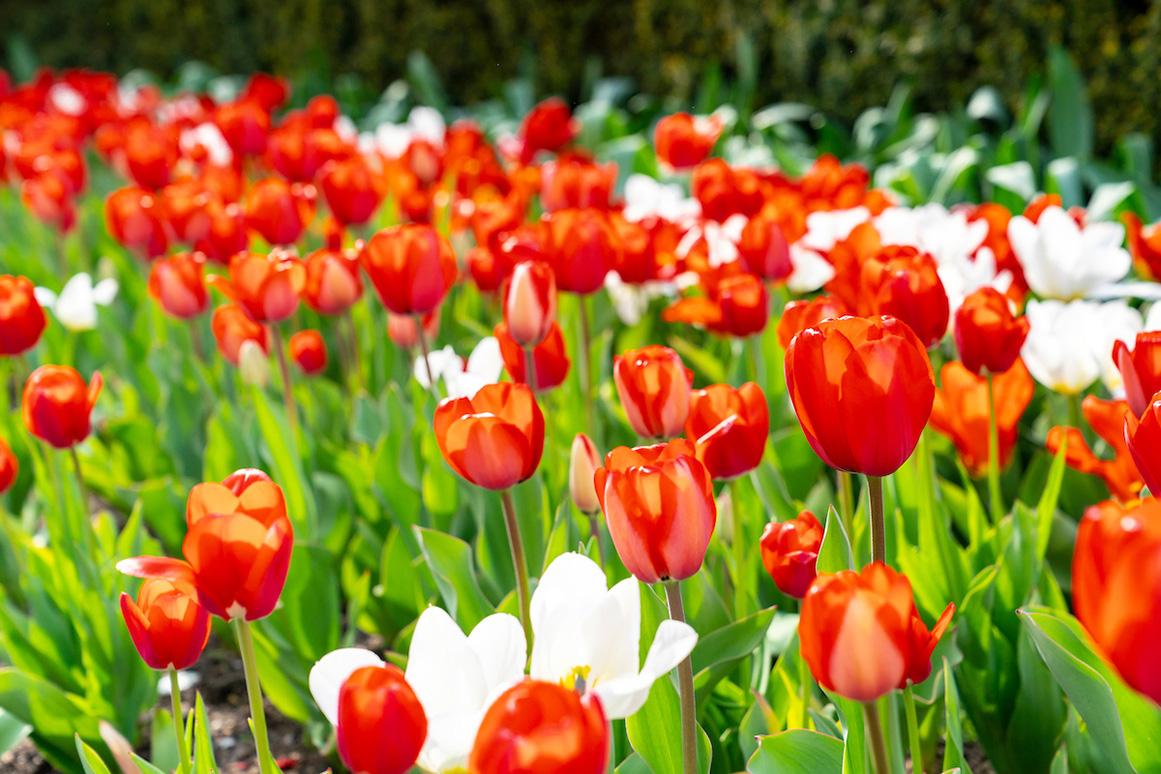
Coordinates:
[997,497]
[685,685]
[422,338]
[875,737]
[88,541]
[584,363]
[878,524]
[175,698]
[518,562]
[1075,415]
[595,529]
[846,497]
[254,691]
[287,387]
[805,689]
[738,549]
[913,730]
[530,369]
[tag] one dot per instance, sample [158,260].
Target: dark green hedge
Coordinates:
[841,55]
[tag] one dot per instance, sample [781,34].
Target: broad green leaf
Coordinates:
[953,751]
[717,653]
[288,470]
[655,729]
[835,552]
[450,560]
[1070,121]
[797,752]
[90,761]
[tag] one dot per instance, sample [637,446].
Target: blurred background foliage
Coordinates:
[842,56]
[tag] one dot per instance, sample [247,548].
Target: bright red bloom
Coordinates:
[167,623]
[9,467]
[961,413]
[333,283]
[1142,439]
[549,127]
[723,190]
[1112,421]
[1144,244]
[542,728]
[279,211]
[412,267]
[232,327]
[654,387]
[575,181]
[48,198]
[744,305]
[308,351]
[185,205]
[987,334]
[349,188]
[495,438]
[863,390]
[550,358]
[177,283]
[861,634]
[790,553]
[22,319]
[381,723]
[245,125]
[530,303]
[764,249]
[1141,369]
[58,405]
[136,218]
[729,427]
[659,504]
[227,235]
[150,154]
[801,314]
[266,286]
[582,247]
[683,141]
[903,282]
[1116,576]
[269,92]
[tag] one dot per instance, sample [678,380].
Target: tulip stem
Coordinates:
[422,338]
[738,547]
[878,524]
[287,388]
[254,691]
[86,512]
[530,369]
[913,730]
[595,529]
[875,736]
[846,498]
[518,563]
[685,684]
[997,497]
[584,362]
[175,699]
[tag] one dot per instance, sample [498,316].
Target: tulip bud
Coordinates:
[167,623]
[309,352]
[21,316]
[530,305]
[744,304]
[790,552]
[583,463]
[411,266]
[9,467]
[381,724]
[58,406]
[495,438]
[332,281]
[253,366]
[654,387]
[232,327]
[987,334]
[177,284]
[729,428]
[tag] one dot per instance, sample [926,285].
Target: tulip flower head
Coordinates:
[1111,421]
[683,141]
[801,314]
[411,266]
[267,287]
[76,306]
[493,439]
[22,319]
[863,390]
[136,218]
[167,623]
[548,127]
[582,247]
[729,428]
[381,725]
[232,328]
[1064,260]
[1070,346]
[764,250]
[1140,369]
[904,283]
[961,412]
[348,185]
[9,467]
[1143,438]
[790,552]
[659,504]
[177,283]
[583,463]
[58,405]
[549,358]
[332,282]
[279,211]
[530,303]
[987,334]
[1144,244]
[654,387]
[861,635]
[308,350]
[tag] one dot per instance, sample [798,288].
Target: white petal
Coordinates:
[44,297]
[622,697]
[811,270]
[440,362]
[572,579]
[486,362]
[499,644]
[450,737]
[331,671]
[105,291]
[442,668]
[613,632]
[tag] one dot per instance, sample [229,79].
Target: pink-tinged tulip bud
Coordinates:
[404,333]
[790,552]
[530,306]
[654,387]
[583,463]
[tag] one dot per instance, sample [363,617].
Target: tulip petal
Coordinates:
[442,668]
[623,696]
[498,642]
[156,567]
[331,671]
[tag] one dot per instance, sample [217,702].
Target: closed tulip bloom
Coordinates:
[308,351]
[1110,420]
[683,142]
[724,190]
[575,181]
[764,249]
[542,728]
[961,412]
[404,332]
[279,211]
[801,314]
[267,287]
[654,388]
[227,234]
[861,635]
[333,283]
[412,267]
[245,124]
[22,319]
[58,405]
[863,390]
[903,282]
[530,303]
[583,461]
[136,218]
[549,358]
[177,283]
[729,428]
[790,553]
[987,334]
[1143,437]
[493,439]
[381,724]
[167,623]
[659,504]
[1115,578]
[744,304]
[582,247]
[349,188]
[10,467]
[1144,244]
[232,327]
[549,126]
[1140,369]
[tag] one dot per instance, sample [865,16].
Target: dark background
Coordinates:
[839,55]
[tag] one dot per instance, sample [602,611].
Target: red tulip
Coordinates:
[903,282]
[802,314]
[863,390]
[185,205]
[745,307]
[583,462]
[723,190]
[549,356]
[542,728]
[21,317]
[1116,577]
[245,125]
[349,188]
[227,234]
[308,351]
[862,636]
[582,247]
[961,412]
[1110,420]
[58,405]
[790,553]
[987,334]
[729,427]
[493,439]
[654,387]
[269,92]
[764,249]
[530,303]
[150,154]
[549,126]
[1143,437]
[9,467]
[1144,244]
[177,283]
[575,181]
[266,286]
[381,724]
[232,327]
[136,218]
[683,141]
[167,623]
[1141,369]
[659,504]
[279,211]
[333,283]
[50,199]
[412,267]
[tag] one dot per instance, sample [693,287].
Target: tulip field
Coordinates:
[613,436]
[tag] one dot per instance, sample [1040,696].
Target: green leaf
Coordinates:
[288,471]
[55,716]
[90,761]
[835,552]
[1070,120]
[717,653]
[953,751]
[12,731]
[450,560]
[1047,505]
[655,729]
[147,767]
[797,752]
[203,747]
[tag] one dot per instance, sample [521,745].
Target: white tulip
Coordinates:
[811,269]
[1064,261]
[1069,345]
[825,229]
[76,306]
[463,379]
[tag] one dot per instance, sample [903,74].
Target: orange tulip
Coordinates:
[9,467]
[349,188]
[863,390]
[575,181]
[729,427]
[541,728]
[549,126]
[177,283]
[381,724]
[333,283]
[961,412]
[790,553]
[167,623]
[582,247]
[764,249]
[659,504]
[267,287]
[1144,244]
[987,334]
[22,319]
[903,282]
[802,314]
[654,387]
[227,234]
[232,327]
[549,356]
[723,190]
[1112,421]
[308,351]
[530,303]
[683,141]
[136,218]
[58,405]
[1116,576]
[412,267]
[583,462]
[1141,369]
[1142,438]
[493,439]
[279,211]
[861,635]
